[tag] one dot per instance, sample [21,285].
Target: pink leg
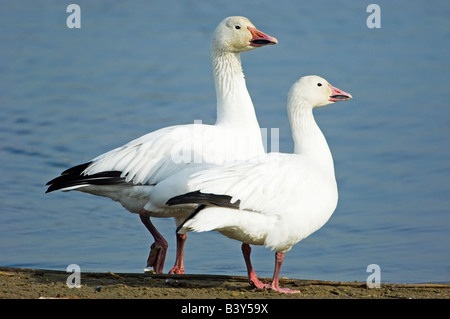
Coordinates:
[279,257]
[252,278]
[158,249]
[179,260]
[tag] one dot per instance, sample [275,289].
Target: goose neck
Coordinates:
[234,105]
[308,138]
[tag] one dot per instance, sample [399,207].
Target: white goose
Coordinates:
[279,199]
[129,173]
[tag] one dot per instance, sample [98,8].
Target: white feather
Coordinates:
[283,197]
[151,159]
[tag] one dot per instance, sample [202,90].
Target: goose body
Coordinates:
[278,199]
[129,174]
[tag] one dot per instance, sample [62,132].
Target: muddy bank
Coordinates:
[17,283]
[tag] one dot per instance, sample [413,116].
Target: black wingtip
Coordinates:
[68,174]
[74,177]
[198,197]
[203,200]
[195,212]
[183,199]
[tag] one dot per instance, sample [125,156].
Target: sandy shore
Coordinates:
[18,283]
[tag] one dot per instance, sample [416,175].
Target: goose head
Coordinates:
[316,92]
[237,34]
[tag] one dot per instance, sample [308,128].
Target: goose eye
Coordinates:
[319,84]
[237,27]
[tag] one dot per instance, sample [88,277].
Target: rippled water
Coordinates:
[67,95]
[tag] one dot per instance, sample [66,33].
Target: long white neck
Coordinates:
[308,138]
[234,105]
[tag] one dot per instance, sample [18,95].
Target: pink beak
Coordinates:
[338,95]
[260,39]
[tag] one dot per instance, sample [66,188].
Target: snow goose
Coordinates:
[279,199]
[128,173]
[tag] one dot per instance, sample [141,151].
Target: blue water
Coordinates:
[67,95]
